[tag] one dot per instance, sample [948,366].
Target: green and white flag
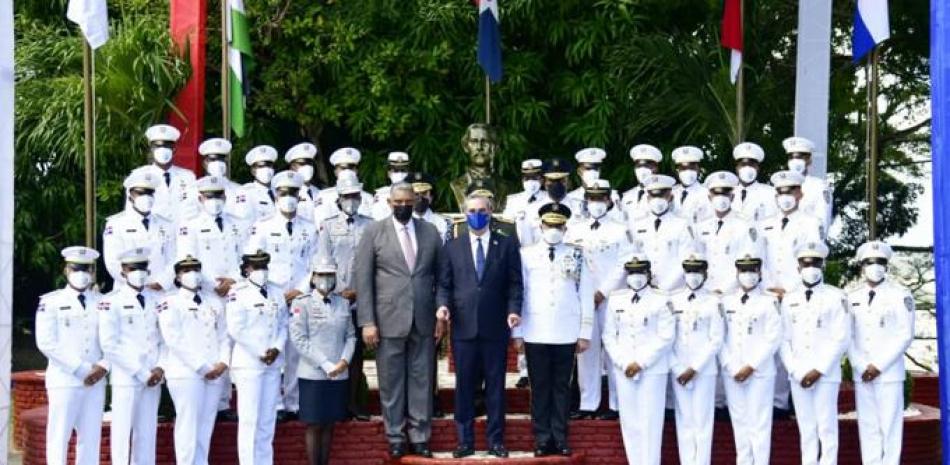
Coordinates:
[239,50]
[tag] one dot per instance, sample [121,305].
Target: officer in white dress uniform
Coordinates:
[174,184]
[690,197]
[662,232]
[555,178]
[397,171]
[817,332]
[257,321]
[133,345]
[67,333]
[747,359]
[343,159]
[257,195]
[605,243]
[883,313]
[693,368]
[753,200]
[290,241]
[423,186]
[139,226]
[526,203]
[192,324]
[646,162]
[723,234]
[638,334]
[589,163]
[817,195]
[300,159]
[214,160]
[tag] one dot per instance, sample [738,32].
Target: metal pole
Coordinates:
[872,143]
[487,100]
[225,76]
[740,82]
[89,143]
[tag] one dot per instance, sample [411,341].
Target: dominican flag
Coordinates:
[871,27]
[731,35]
[489,39]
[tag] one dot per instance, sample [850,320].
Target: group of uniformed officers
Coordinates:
[686,293]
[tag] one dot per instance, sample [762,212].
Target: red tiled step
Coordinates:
[516,458]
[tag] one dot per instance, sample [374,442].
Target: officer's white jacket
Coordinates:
[641,332]
[326,204]
[817,197]
[883,330]
[441,223]
[759,201]
[169,199]
[255,199]
[219,251]
[129,335]
[380,208]
[780,268]
[558,305]
[68,335]
[195,335]
[605,250]
[816,332]
[340,237]
[664,246]
[753,332]
[307,205]
[633,203]
[700,332]
[256,324]
[125,231]
[520,202]
[695,207]
[289,255]
[323,333]
[722,243]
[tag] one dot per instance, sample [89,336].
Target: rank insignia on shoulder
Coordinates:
[909,303]
[42,307]
[108,231]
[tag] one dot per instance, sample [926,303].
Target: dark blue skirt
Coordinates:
[322,401]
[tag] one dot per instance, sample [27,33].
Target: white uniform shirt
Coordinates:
[307,206]
[558,305]
[640,332]
[781,267]
[753,332]
[817,197]
[758,202]
[882,331]
[326,204]
[172,193]
[441,223]
[129,335]
[256,324]
[255,199]
[289,254]
[343,237]
[518,203]
[380,208]
[605,250]
[633,203]
[218,250]
[68,335]
[195,334]
[125,230]
[700,332]
[323,333]
[817,332]
[663,246]
[722,243]
[695,206]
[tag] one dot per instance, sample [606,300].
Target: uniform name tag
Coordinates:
[642,231]
[205,230]
[131,230]
[128,306]
[794,304]
[65,308]
[769,228]
[277,234]
[855,304]
[258,305]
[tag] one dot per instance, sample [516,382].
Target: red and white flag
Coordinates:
[731,35]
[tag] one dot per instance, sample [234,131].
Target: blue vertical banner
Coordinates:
[940,155]
[489,39]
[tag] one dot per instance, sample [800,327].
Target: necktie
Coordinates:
[784,222]
[479,259]
[640,195]
[407,249]
[745,298]
[264,291]
[595,225]
[270,194]
[82,300]
[719,226]
[808,294]
[218,221]
[168,178]
[691,297]
[349,220]
[145,222]
[197,299]
[141,299]
[636,298]
[656,224]
[326,299]
[744,193]
[532,198]
[871,295]
[290,228]
[551,253]
[683,196]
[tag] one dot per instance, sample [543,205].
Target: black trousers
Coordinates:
[549,371]
[478,360]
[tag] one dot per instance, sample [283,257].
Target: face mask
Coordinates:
[217,168]
[190,280]
[162,155]
[747,174]
[552,236]
[811,275]
[797,165]
[287,203]
[258,277]
[136,278]
[79,279]
[721,203]
[324,284]
[350,206]
[347,173]
[589,176]
[477,220]
[531,186]
[636,281]
[597,209]
[143,203]
[305,172]
[421,205]
[264,175]
[688,177]
[402,213]
[658,205]
[397,176]
[748,279]
[786,202]
[642,173]
[694,280]
[875,272]
[557,191]
[213,206]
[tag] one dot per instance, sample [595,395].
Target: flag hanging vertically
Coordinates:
[489,39]
[731,35]
[92,17]
[239,48]
[871,27]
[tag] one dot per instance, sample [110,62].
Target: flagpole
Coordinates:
[88,67]
[740,81]
[225,78]
[487,100]
[872,148]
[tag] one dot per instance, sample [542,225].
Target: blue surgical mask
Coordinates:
[477,220]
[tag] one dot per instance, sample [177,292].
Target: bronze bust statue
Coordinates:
[481,144]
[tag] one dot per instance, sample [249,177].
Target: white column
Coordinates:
[6,216]
[812,79]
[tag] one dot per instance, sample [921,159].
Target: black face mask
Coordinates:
[402,213]
[422,204]
[557,191]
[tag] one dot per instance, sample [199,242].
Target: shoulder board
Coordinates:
[502,219]
[458,220]
[50,294]
[114,217]
[621,291]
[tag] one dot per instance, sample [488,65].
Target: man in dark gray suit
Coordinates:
[395,273]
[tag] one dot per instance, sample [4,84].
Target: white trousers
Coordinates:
[75,408]
[880,421]
[750,408]
[196,405]
[224,400]
[135,417]
[522,366]
[695,411]
[642,403]
[257,393]
[783,386]
[289,395]
[816,410]
[590,368]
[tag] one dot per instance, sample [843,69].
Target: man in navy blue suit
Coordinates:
[479,293]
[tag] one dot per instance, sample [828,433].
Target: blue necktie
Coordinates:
[141,300]
[479,259]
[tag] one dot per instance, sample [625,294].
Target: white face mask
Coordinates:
[786,202]
[217,168]
[589,176]
[136,278]
[287,203]
[748,279]
[397,176]
[811,275]
[637,281]
[347,173]
[190,280]
[531,186]
[658,205]
[324,284]
[694,280]
[350,206]
[305,172]
[214,207]
[688,177]
[642,173]
[747,174]
[797,165]
[143,203]
[721,203]
[258,277]
[264,174]
[875,272]
[162,155]
[552,236]
[597,209]
[79,280]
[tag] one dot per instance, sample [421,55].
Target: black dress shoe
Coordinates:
[541,450]
[285,416]
[421,449]
[226,416]
[562,449]
[397,450]
[609,415]
[359,414]
[463,451]
[522,383]
[438,413]
[498,450]
[582,415]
